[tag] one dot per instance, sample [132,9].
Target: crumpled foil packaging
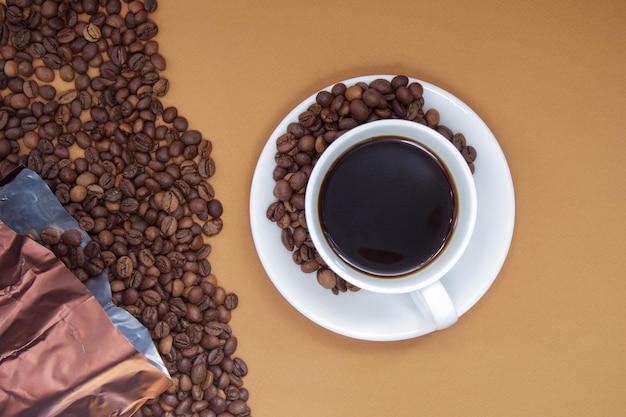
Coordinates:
[65,349]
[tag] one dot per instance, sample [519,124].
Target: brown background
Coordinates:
[549,337]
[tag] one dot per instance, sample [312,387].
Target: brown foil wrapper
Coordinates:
[60,355]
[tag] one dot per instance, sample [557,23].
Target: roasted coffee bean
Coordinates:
[165,179]
[372,97]
[198,373]
[146,31]
[72,237]
[206,167]
[399,81]
[124,267]
[445,131]
[52,61]
[149,316]
[458,140]
[169,225]
[212,227]
[298,180]
[94,267]
[129,205]
[282,190]
[194,295]
[30,89]
[92,249]
[326,278]
[204,268]
[432,117]
[151,297]
[324,98]
[86,223]
[190,137]
[238,408]
[286,142]
[382,85]
[195,332]
[134,237]
[169,202]
[404,95]
[161,329]
[469,153]
[92,32]
[181,341]
[130,297]
[359,110]
[215,208]
[146,257]
[178,306]
[60,249]
[215,356]
[231,301]
[50,236]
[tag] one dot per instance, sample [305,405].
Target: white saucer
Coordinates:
[370,316]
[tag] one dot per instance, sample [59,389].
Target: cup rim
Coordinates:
[462,180]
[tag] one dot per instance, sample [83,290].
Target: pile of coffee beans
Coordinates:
[80,104]
[67,245]
[333,113]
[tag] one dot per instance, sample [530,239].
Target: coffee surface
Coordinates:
[387,206]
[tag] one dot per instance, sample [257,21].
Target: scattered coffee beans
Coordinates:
[80,104]
[83,260]
[333,113]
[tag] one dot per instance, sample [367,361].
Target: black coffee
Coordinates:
[387,206]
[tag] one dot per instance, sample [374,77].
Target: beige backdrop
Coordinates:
[549,337]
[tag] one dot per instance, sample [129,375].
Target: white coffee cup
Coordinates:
[424,282]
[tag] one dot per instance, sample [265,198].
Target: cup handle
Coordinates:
[435,303]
